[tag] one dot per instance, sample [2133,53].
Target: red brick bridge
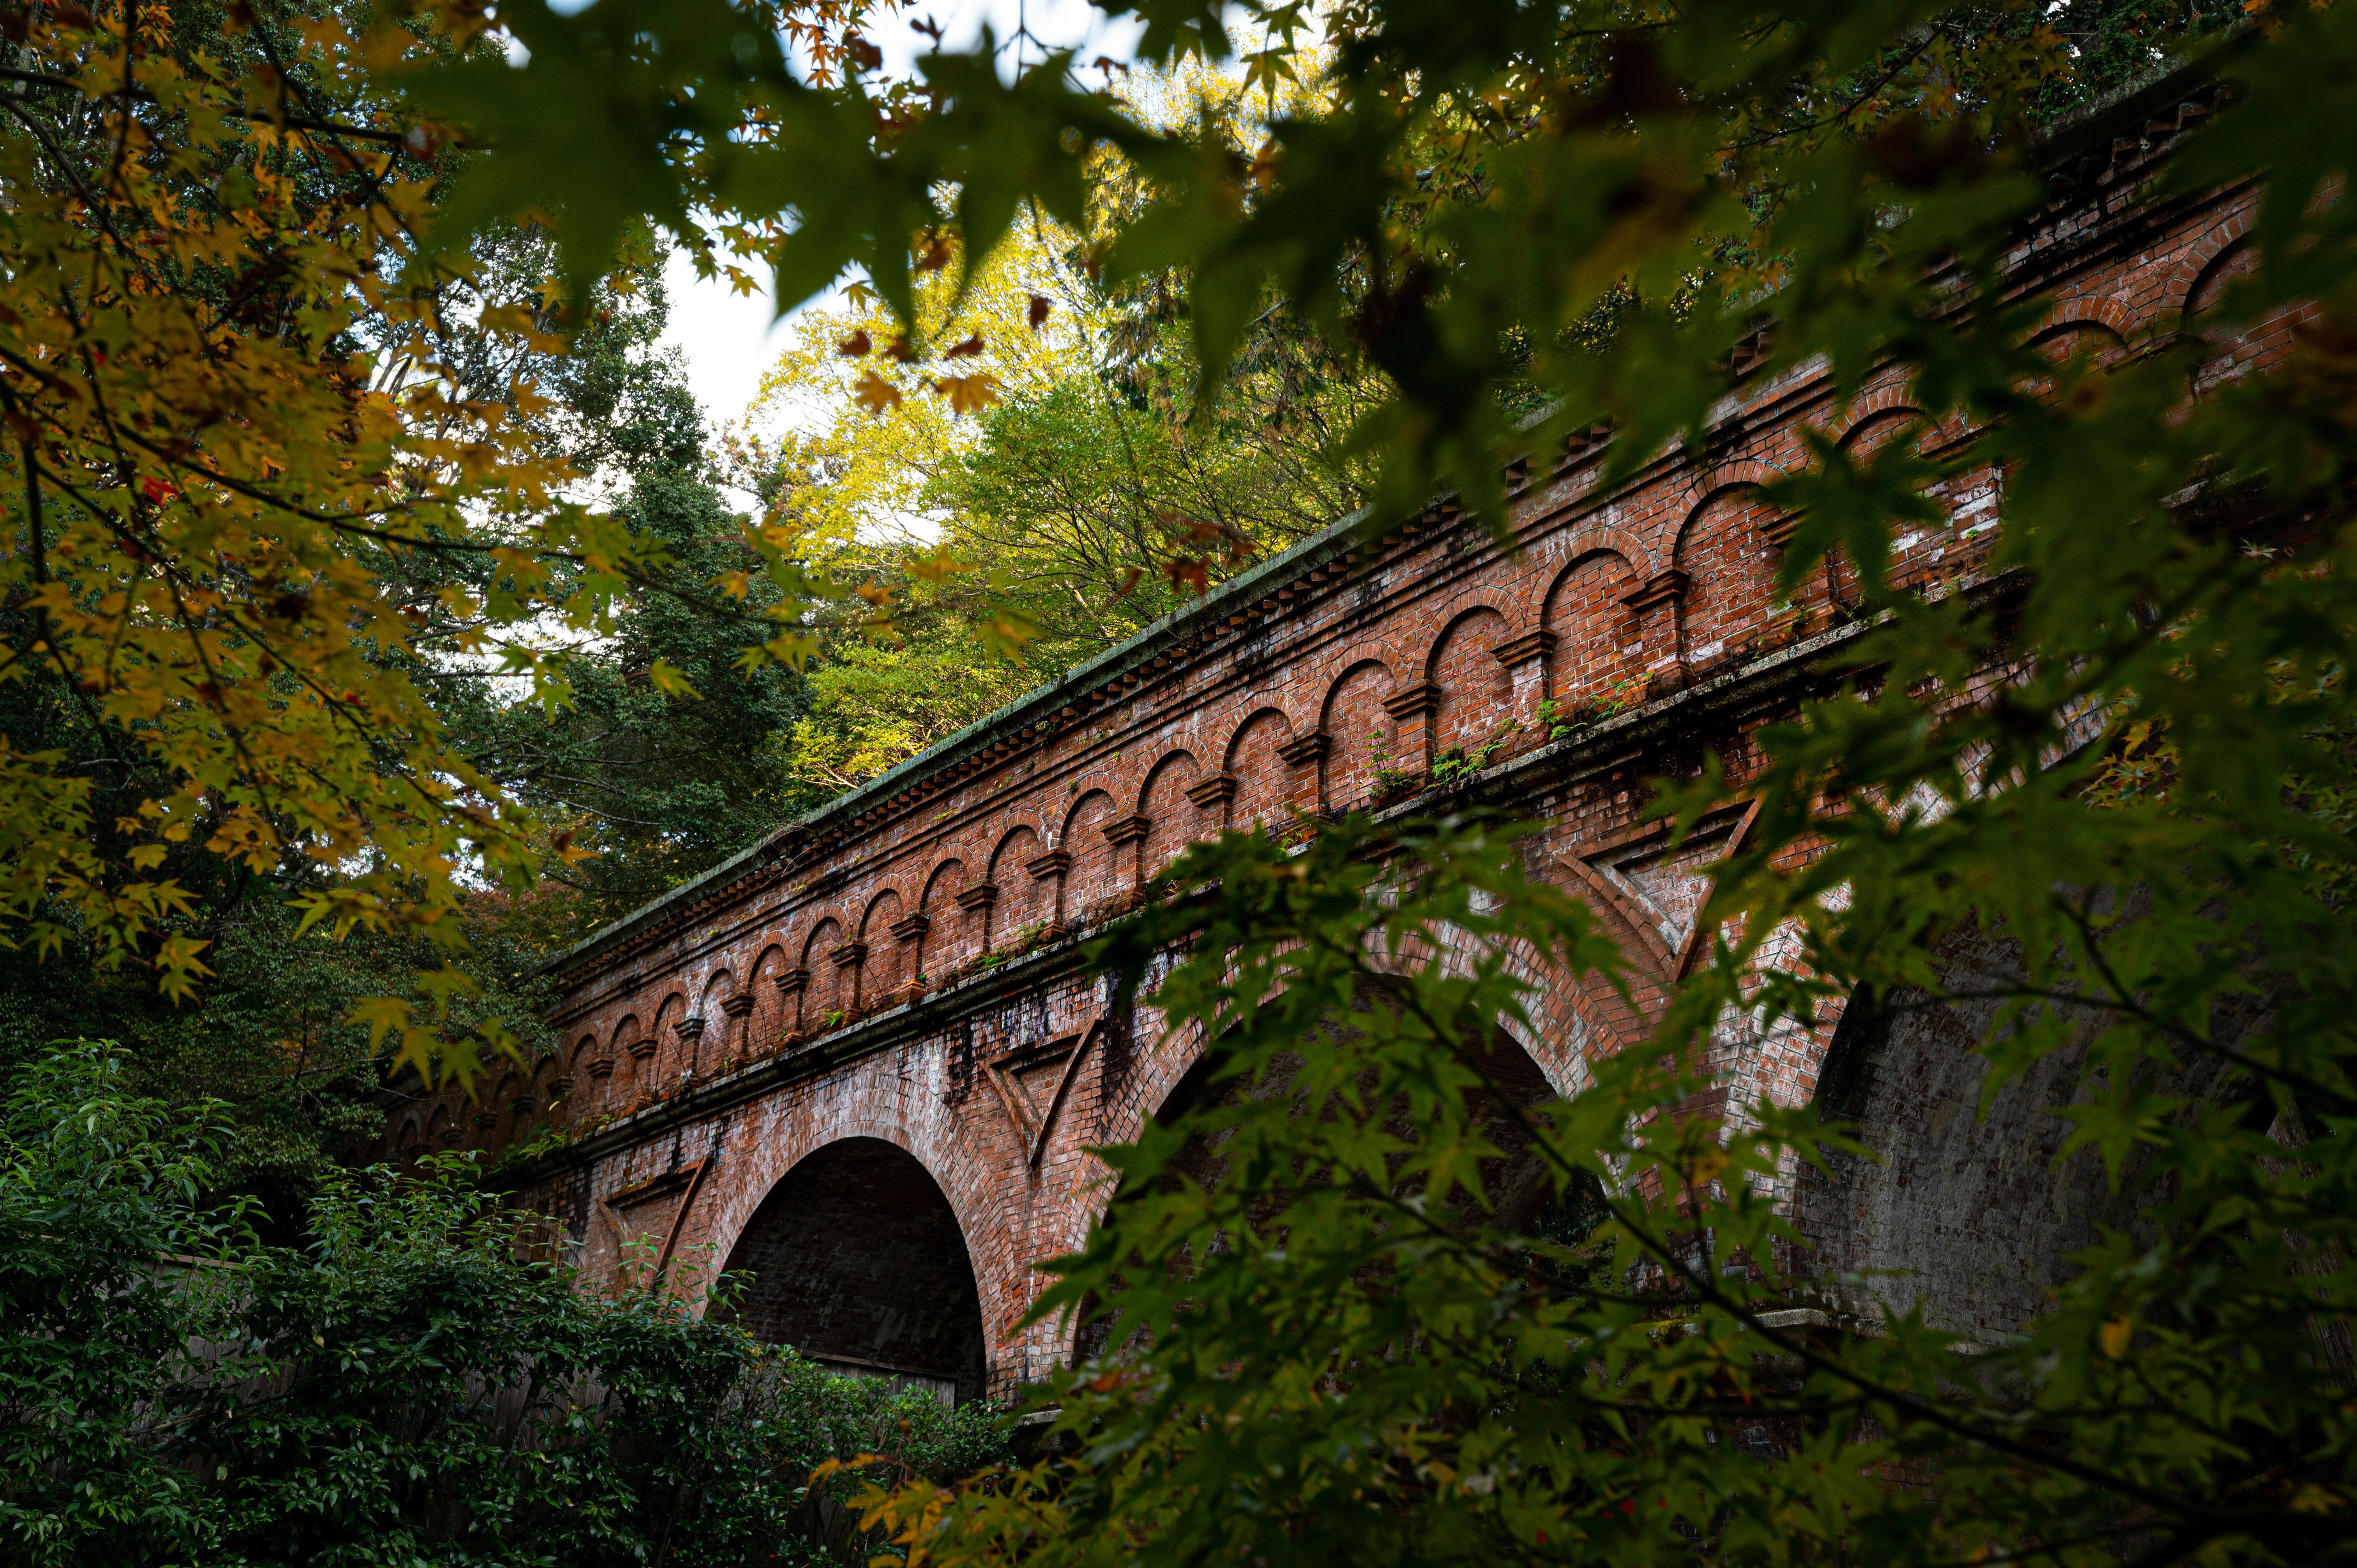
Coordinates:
[863,1059]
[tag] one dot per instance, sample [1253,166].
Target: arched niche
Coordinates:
[1476,695]
[1363,736]
[1728,550]
[1266,786]
[1595,633]
[857,1260]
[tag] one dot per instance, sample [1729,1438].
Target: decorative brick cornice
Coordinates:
[793,980]
[1409,701]
[1521,649]
[1055,862]
[981,895]
[1124,829]
[600,1066]
[691,1029]
[913,926]
[1304,750]
[1779,530]
[1666,587]
[739,1004]
[846,954]
[642,1047]
[1213,789]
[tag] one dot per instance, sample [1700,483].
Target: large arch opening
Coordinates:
[858,1261]
[1518,1180]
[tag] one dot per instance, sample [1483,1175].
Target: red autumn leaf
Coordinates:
[1040,309]
[855,346]
[966,349]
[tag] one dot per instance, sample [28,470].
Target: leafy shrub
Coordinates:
[415,1385]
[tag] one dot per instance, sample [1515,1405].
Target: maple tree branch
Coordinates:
[138,94]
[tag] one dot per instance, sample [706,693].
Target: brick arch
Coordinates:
[594,1094]
[1010,824]
[2060,338]
[952,932]
[1856,431]
[1380,651]
[1590,534]
[1362,737]
[1584,608]
[1173,821]
[2234,259]
[1092,885]
[1265,780]
[827,991]
[2100,311]
[1708,484]
[2194,262]
[1149,779]
[1725,549]
[875,1106]
[1886,394]
[1474,699]
[1023,901]
[1511,607]
[711,1043]
[881,973]
[756,1035]
[1113,787]
[636,1077]
[581,1100]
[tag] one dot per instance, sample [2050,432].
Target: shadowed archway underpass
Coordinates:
[857,1262]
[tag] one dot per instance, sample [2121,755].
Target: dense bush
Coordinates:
[410,1387]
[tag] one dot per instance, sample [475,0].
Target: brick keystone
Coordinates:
[1521,650]
[1410,700]
[981,895]
[1055,862]
[1302,750]
[1666,587]
[1121,829]
[1213,789]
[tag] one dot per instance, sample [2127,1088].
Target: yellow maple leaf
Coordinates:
[969,395]
[876,394]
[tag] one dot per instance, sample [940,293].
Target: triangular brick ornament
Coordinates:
[1032,1119]
[1627,912]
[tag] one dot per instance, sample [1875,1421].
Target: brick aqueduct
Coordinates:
[863,1059]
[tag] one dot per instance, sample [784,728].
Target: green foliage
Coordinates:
[406,1387]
